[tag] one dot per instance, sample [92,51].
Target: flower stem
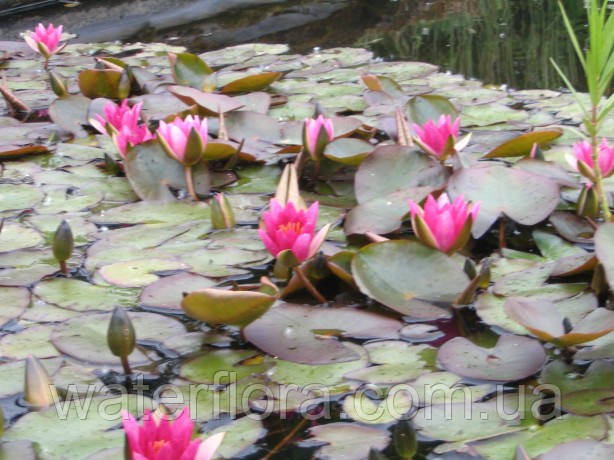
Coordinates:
[126,365]
[63,267]
[605,206]
[190,183]
[309,285]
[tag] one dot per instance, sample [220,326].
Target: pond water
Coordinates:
[496,41]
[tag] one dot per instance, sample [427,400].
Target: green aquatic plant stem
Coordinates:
[190,183]
[605,206]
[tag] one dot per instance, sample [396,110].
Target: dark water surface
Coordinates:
[497,41]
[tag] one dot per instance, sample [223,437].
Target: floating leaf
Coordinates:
[348,151]
[512,358]
[522,145]
[71,113]
[210,102]
[217,366]
[107,83]
[404,274]
[218,306]
[522,196]
[348,440]
[167,292]
[430,107]
[250,83]
[189,70]
[290,332]
[138,273]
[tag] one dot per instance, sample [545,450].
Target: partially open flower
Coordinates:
[438,138]
[44,40]
[131,136]
[118,116]
[184,140]
[582,160]
[289,228]
[316,134]
[443,225]
[165,440]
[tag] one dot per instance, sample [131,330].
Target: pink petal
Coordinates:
[209,446]
[300,248]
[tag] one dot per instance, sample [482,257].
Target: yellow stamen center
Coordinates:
[158,445]
[295,226]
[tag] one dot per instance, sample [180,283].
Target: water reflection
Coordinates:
[497,41]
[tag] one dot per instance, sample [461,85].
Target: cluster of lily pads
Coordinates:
[182,197]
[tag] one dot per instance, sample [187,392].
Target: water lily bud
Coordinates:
[58,84]
[404,438]
[63,242]
[39,390]
[317,133]
[588,202]
[124,86]
[222,215]
[121,337]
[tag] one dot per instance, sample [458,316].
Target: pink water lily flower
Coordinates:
[44,40]
[435,136]
[118,116]
[131,136]
[174,138]
[291,228]
[582,160]
[443,225]
[165,440]
[317,133]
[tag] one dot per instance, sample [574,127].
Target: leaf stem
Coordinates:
[286,438]
[190,183]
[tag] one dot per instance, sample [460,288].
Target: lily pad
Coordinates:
[216,367]
[85,337]
[17,197]
[512,358]
[13,301]
[16,236]
[348,440]
[522,145]
[385,182]
[430,107]
[403,274]
[139,273]
[250,83]
[348,151]
[364,410]
[167,292]
[153,212]
[81,296]
[291,332]
[521,196]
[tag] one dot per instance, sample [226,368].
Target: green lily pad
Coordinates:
[430,107]
[604,248]
[167,292]
[218,306]
[153,212]
[523,144]
[521,196]
[138,273]
[349,441]
[303,375]
[290,332]
[70,113]
[576,449]
[558,431]
[240,435]
[17,197]
[385,182]
[189,69]
[106,83]
[403,274]
[81,296]
[212,103]
[33,340]
[512,358]
[16,236]
[255,82]
[215,367]
[14,301]
[364,410]
[85,337]
[348,151]
[82,430]
[451,422]
[544,320]
[396,362]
